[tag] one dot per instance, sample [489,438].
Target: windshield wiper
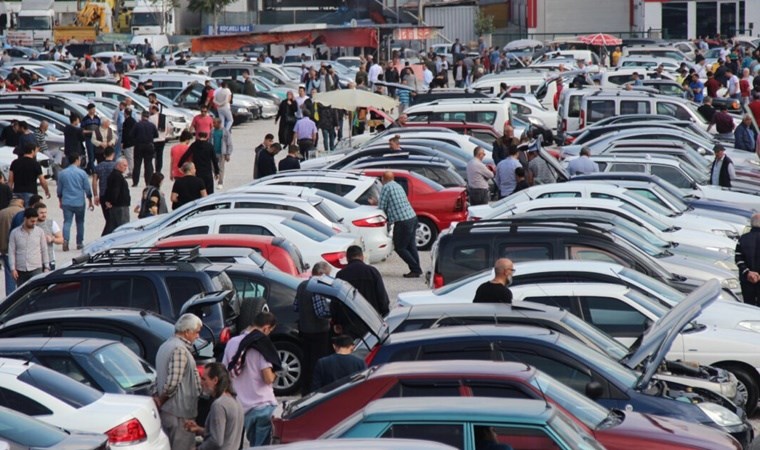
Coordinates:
[613,418]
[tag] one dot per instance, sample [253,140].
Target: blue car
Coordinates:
[468,423]
[609,382]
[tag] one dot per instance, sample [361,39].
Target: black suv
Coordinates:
[159,281]
[471,247]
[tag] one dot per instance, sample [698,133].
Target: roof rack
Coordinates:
[140,255]
[517,221]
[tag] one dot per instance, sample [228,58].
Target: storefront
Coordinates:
[689,19]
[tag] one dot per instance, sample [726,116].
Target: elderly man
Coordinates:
[722,169]
[496,290]
[478,176]
[305,133]
[117,197]
[177,382]
[400,213]
[582,164]
[747,258]
[103,137]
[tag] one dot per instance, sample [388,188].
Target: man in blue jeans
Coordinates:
[404,220]
[252,361]
[73,187]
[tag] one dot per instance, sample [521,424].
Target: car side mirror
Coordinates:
[594,390]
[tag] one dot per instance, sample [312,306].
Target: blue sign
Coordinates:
[229,29]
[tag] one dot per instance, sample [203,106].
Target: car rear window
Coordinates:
[294,253]
[433,185]
[27,431]
[124,366]
[306,230]
[342,201]
[60,386]
[371,195]
[327,212]
[298,407]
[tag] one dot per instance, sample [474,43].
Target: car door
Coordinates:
[452,433]
[617,317]
[52,295]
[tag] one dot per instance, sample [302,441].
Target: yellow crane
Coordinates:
[93,19]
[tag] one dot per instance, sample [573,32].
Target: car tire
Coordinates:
[426,234]
[289,380]
[746,381]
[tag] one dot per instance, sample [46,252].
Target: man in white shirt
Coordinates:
[732,85]
[427,78]
[222,101]
[374,73]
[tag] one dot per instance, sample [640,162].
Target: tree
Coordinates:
[213,7]
[483,24]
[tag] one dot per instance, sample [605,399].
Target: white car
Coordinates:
[316,242]
[688,220]
[7,157]
[363,190]
[131,422]
[367,221]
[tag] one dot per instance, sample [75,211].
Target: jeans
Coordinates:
[26,196]
[405,243]
[10,283]
[328,139]
[258,425]
[69,213]
[90,156]
[129,155]
[226,115]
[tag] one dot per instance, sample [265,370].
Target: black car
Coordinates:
[164,282]
[22,432]
[105,365]
[141,331]
[473,246]
[428,149]
[48,100]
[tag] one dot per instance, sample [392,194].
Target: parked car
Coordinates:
[277,251]
[105,365]
[432,167]
[362,190]
[21,432]
[311,416]
[166,284]
[129,421]
[365,444]
[436,207]
[462,423]
[579,367]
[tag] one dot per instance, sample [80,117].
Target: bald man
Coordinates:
[496,290]
[400,213]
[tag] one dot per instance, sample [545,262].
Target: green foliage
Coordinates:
[209,6]
[483,24]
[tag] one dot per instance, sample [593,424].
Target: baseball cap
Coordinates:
[719,148]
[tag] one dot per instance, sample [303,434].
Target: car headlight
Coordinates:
[720,415]
[726,250]
[752,325]
[727,233]
[241,111]
[727,265]
[731,284]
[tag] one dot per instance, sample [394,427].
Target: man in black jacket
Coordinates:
[143,134]
[203,156]
[117,198]
[747,258]
[291,161]
[265,161]
[366,279]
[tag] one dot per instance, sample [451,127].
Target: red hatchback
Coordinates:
[313,415]
[277,250]
[436,206]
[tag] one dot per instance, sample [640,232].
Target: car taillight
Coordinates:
[128,433]
[583,120]
[473,218]
[336,259]
[563,125]
[225,335]
[370,222]
[371,355]
[569,140]
[461,202]
[437,280]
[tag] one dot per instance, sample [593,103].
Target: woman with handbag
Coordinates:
[286,114]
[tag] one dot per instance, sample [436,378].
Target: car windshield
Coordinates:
[584,409]
[603,342]
[27,431]
[640,233]
[694,174]
[644,202]
[572,435]
[649,284]
[305,230]
[124,366]
[326,211]
[644,217]
[677,202]
[60,386]
[635,239]
[485,145]
[337,199]
[654,305]
[582,352]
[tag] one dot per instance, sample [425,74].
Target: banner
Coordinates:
[228,29]
[414,34]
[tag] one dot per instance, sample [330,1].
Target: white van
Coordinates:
[522,81]
[294,54]
[157,41]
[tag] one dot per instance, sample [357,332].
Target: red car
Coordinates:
[436,206]
[277,250]
[310,417]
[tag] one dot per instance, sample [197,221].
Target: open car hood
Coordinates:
[362,311]
[655,343]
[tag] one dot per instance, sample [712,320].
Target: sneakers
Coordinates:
[219,187]
[65,246]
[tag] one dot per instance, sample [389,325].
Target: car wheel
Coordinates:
[747,385]
[426,233]
[288,380]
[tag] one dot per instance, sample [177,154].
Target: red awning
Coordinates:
[347,37]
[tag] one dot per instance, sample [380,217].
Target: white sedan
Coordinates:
[131,422]
[316,242]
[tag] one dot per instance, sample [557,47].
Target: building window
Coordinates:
[728,19]
[707,13]
[674,19]
[742,19]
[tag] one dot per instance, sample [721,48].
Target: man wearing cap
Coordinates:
[143,134]
[90,123]
[722,169]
